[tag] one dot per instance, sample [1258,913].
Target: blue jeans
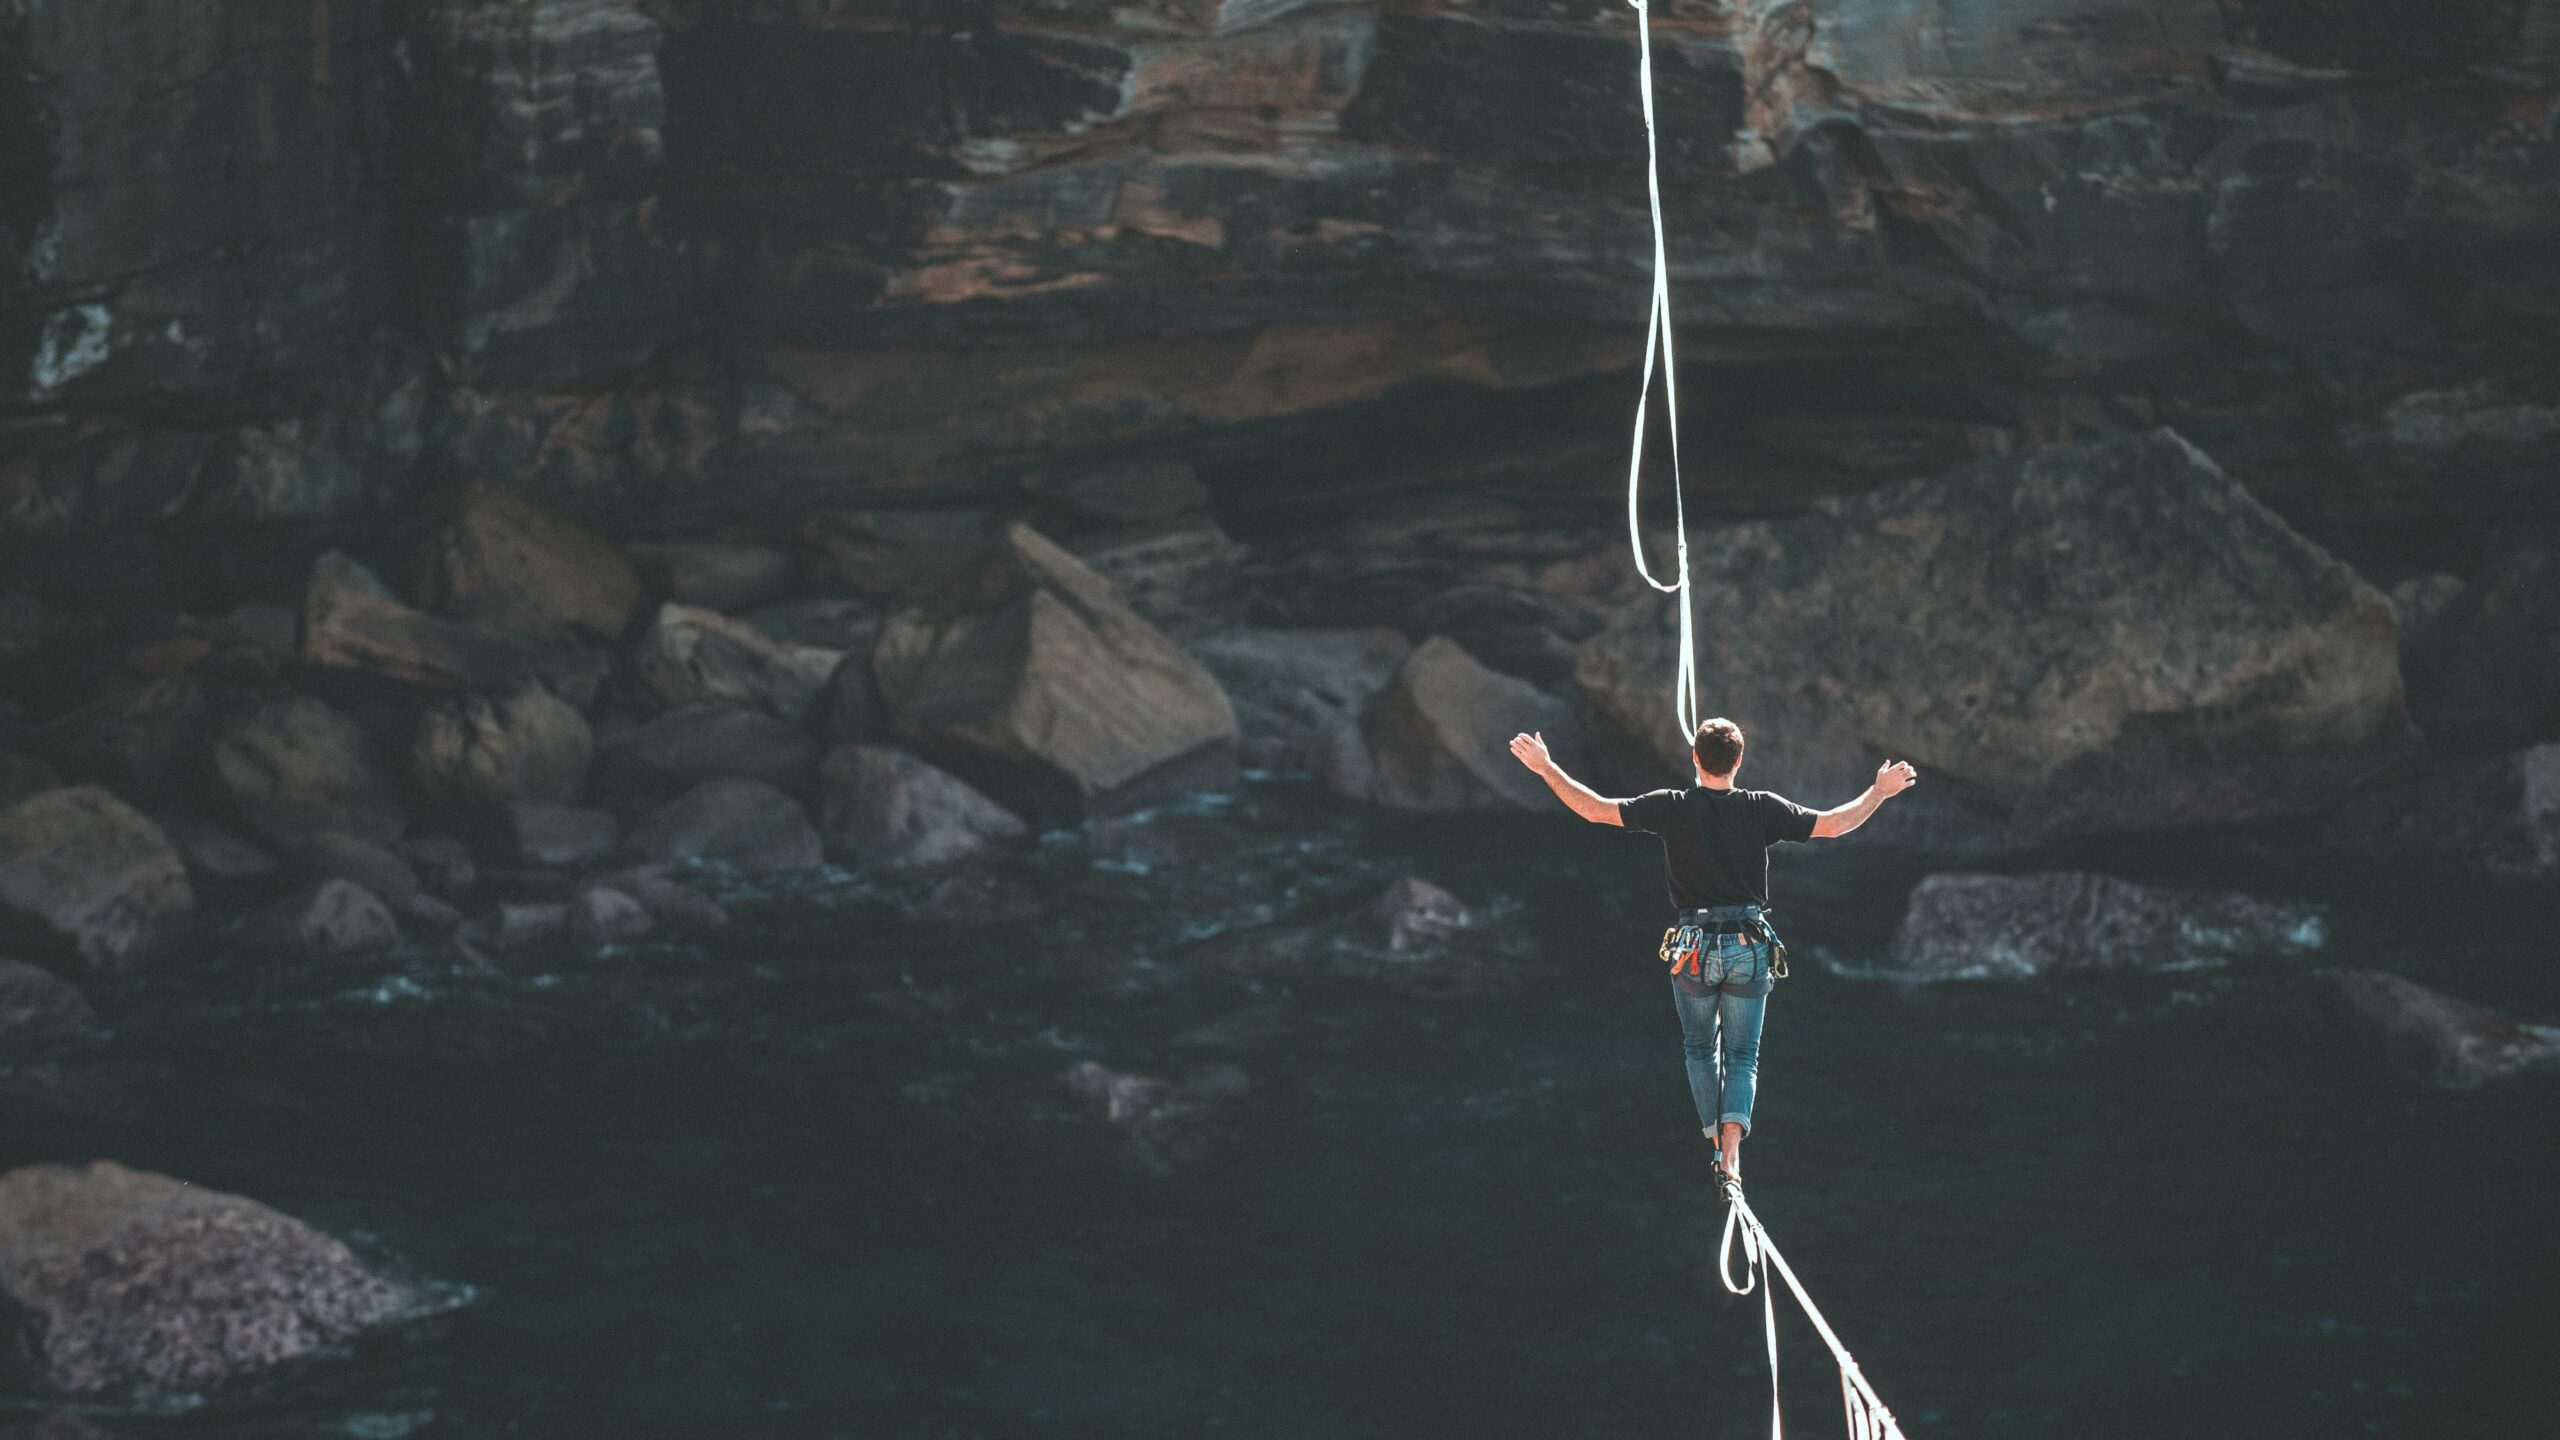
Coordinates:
[1720,1014]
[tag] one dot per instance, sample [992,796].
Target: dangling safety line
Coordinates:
[1658,333]
[1868,1419]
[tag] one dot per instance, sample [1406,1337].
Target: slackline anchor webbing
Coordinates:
[1868,1419]
[1657,334]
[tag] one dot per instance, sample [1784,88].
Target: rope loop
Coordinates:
[1657,337]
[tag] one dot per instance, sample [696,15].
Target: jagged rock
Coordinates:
[691,656]
[1290,688]
[443,862]
[1518,632]
[669,899]
[2454,1042]
[298,765]
[324,920]
[2542,802]
[255,642]
[602,916]
[475,756]
[34,998]
[888,552]
[521,923]
[24,775]
[831,623]
[86,877]
[1413,913]
[716,574]
[352,621]
[691,744]
[124,1279]
[545,832]
[1438,737]
[1030,680]
[854,710]
[336,855]
[2057,922]
[1129,493]
[2484,667]
[746,825]
[888,808]
[133,736]
[2105,637]
[511,567]
[216,859]
[1168,1122]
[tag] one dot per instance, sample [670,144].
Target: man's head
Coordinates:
[1718,750]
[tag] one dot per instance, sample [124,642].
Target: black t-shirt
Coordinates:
[1716,842]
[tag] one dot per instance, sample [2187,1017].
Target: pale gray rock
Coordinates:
[326,919]
[2453,1042]
[2059,922]
[123,1280]
[1290,688]
[885,807]
[742,825]
[1033,682]
[1438,737]
[87,878]
[2112,636]
[691,656]
[297,765]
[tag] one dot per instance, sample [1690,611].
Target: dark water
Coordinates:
[819,1177]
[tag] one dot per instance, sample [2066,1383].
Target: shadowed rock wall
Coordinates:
[273,262]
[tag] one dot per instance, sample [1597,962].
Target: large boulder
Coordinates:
[887,552]
[509,566]
[1291,687]
[1031,680]
[1438,737]
[86,877]
[744,825]
[716,574]
[675,751]
[545,832]
[888,808]
[475,756]
[134,736]
[691,656]
[2018,926]
[34,998]
[352,621]
[2453,1042]
[122,1279]
[336,855]
[324,920]
[2102,637]
[297,765]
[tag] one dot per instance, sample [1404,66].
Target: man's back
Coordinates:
[1715,841]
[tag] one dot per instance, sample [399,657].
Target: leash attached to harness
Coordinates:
[1682,945]
[1867,1416]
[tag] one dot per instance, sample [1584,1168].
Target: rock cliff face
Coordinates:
[657,257]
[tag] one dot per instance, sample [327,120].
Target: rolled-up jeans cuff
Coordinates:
[1742,1120]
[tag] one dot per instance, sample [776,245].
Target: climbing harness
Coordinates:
[1683,945]
[1868,1419]
[1658,334]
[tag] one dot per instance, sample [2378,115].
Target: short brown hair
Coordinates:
[1718,747]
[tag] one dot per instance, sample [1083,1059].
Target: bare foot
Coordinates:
[1729,1143]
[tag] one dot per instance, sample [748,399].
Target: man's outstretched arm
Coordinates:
[1579,798]
[1892,778]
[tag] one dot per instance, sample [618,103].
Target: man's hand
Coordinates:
[1532,750]
[1892,778]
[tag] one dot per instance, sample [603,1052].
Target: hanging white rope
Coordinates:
[1658,333]
[1868,1419]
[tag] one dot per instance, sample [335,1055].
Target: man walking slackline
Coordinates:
[1724,957]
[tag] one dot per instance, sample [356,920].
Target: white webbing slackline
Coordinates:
[1657,334]
[1868,1419]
